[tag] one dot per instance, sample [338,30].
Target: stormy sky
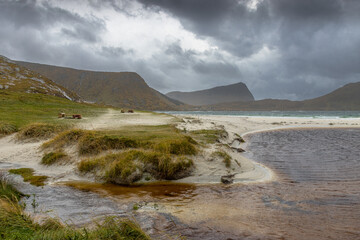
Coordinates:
[294,49]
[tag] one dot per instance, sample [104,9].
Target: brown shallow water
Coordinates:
[316,194]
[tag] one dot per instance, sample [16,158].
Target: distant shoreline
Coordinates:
[285,114]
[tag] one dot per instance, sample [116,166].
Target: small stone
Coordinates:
[227,179]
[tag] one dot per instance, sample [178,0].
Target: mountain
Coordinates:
[20,79]
[230,93]
[346,98]
[120,89]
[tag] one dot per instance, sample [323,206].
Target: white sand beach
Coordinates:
[207,168]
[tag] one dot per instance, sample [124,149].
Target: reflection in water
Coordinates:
[316,196]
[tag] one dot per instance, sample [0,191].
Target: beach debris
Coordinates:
[76,116]
[227,179]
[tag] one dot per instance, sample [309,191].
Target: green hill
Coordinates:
[229,93]
[21,108]
[120,89]
[17,78]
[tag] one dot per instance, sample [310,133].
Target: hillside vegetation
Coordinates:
[14,77]
[120,89]
[18,109]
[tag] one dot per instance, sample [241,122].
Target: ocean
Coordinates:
[303,114]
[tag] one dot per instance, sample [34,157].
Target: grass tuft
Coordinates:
[128,167]
[226,157]
[53,157]
[177,147]
[39,131]
[92,144]
[209,136]
[6,128]
[8,192]
[65,138]
[28,176]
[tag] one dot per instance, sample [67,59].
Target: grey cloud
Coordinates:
[316,39]
[40,16]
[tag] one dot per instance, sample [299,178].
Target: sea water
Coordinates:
[304,114]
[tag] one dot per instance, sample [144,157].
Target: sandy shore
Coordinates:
[250,171]
[14,154]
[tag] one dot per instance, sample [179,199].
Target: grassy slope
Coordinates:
[120,89]
[19,79]
[20,109]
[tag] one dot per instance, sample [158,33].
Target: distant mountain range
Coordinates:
[222,94]
[346,98]
[129,90]
[17,78]
[119,89]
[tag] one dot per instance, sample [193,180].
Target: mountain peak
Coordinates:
[220,94]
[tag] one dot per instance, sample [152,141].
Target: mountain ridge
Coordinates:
[119,89]
[345,98]
[15,77]
[228,93]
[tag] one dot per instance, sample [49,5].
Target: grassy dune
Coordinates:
[161,151]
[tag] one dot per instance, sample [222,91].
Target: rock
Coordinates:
[227,179]
[238,149]
[240,139]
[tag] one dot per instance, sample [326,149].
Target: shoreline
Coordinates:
[207,171]
[244,126]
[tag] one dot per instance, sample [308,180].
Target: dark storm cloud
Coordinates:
[281,49]
[316,39]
